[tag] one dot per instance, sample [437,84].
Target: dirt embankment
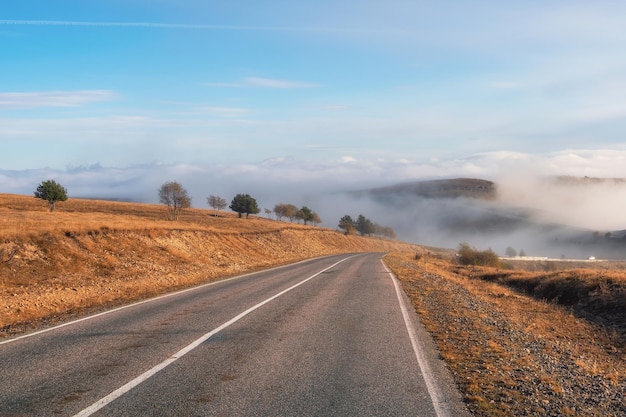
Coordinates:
[46,276]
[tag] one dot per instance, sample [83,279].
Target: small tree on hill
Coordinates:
[291,212]
[52,192]
[347,224]
[216,202]
[316,219]
[175,197]
[280,210]
[244,203]
[306,214]
[364,225]
[384,231]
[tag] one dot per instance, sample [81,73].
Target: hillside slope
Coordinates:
[90,254]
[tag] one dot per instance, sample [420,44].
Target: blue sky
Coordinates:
[118,96]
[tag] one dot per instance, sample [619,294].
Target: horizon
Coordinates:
[113,98]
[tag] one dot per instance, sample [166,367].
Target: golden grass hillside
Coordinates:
[89,254]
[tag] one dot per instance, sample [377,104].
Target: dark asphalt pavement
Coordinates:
[325,337]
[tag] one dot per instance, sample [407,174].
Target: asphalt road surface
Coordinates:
[326,337]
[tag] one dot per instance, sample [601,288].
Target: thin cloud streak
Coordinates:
[39,99]
[272,83]
[263,83]
[154,25]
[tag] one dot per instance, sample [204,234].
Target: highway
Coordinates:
[331,336]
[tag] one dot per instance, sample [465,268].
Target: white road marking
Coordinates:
[69,323]
[141,378]
[434,392]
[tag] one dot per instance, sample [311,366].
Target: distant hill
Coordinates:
[571,180]
[445,188]
[449,211]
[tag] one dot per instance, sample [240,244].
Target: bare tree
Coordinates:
[280,210]
[216,202]
[291,212]
[285,210]
[175,197]
[268,212]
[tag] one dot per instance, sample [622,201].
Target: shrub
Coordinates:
[468,255]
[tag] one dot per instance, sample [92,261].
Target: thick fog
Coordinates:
[540,213]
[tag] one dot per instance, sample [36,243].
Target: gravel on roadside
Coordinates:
[505,358]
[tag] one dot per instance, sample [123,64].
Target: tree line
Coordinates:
[173,195]
[365,227]
[291,212]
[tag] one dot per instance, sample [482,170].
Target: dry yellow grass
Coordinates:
[89,254]
[28,216]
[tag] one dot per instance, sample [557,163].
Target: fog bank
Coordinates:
[542,203]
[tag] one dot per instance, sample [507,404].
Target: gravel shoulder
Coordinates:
[511,354]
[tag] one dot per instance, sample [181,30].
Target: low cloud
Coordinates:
[529,195]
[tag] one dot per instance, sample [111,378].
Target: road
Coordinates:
[326,337]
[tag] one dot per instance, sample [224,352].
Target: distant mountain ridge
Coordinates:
[571,180]
[443,188]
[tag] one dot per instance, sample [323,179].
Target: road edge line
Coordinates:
[433,388]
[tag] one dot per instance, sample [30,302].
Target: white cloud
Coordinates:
[37,99]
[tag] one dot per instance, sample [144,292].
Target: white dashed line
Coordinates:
[141,378]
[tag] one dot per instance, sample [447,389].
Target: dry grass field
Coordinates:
[526,340]
[92,254]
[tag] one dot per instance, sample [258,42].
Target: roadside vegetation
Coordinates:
[468,255]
